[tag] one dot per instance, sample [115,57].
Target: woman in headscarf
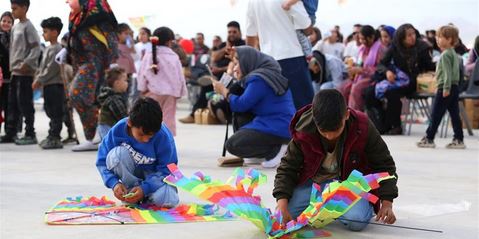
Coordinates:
[93,46]
[387,35]
[267,96]
[370,53]
[6,24]
[410,55]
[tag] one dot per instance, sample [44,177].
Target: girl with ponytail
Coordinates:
[160,76]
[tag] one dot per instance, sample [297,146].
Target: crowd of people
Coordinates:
[263,81]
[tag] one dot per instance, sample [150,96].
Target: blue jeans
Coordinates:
[122,164]
[297,72]
[102,130]
[362,211]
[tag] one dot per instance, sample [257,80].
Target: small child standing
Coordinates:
[126,50]
[133,157]
[113,104]
[24,54]
[49,78]
[160,75]
[447,96]
[311,7]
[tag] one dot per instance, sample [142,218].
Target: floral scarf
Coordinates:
[92,13]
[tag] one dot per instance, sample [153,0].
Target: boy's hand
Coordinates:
[138,195]
[386,213]
[445,93]
[24,68]
[282,205]
[119,190]
[35,85]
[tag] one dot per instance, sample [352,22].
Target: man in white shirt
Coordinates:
[275,28]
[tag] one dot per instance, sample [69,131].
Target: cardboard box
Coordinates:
[197,116]
[426,83]
[208,118]
[472,111]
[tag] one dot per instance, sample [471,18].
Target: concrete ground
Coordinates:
[438,189]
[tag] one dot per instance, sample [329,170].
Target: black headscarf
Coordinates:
[252,62]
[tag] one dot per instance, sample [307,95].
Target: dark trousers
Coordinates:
[202,101]
[249,143]
[299,79]
[20,102]
[54,96]
[439,107]
[4,102]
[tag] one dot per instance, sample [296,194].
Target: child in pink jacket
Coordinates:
[160,76]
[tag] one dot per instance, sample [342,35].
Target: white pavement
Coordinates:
[438,189]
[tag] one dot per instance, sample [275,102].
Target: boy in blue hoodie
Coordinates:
[133,157]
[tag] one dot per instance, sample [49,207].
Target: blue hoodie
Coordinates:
[153,155]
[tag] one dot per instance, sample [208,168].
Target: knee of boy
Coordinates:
[165,196]
[115,156]
[359,216]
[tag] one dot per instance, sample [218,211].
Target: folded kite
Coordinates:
[336,199]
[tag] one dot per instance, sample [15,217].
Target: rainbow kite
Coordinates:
[336,199]
[92,210]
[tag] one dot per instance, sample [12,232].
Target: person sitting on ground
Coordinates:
[114,106]
[48,77]
[133,157]
[267,97]
[331,74]
[329,142]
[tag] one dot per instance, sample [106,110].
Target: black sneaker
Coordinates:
[51,143]
[7,139]
[70,140]
[26,140]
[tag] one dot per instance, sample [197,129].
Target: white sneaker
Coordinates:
[85,146]
[253,160]
[274,162]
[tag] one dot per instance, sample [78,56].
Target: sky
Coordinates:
[187,17]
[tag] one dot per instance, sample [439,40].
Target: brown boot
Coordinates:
[187,120]
[230,162]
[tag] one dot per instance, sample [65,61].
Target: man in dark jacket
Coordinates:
[329,142]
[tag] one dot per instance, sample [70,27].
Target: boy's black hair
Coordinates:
[113,75]
[25,3]
[53,23]
[122,27]
[234,24]
[146,114]
[329,109]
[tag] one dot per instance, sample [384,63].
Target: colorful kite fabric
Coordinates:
[92,210]
[336,199]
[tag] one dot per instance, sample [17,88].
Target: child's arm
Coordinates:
[446,63]
[33,43]
[51,68]
[118,107]
[165,155]
[288,3]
